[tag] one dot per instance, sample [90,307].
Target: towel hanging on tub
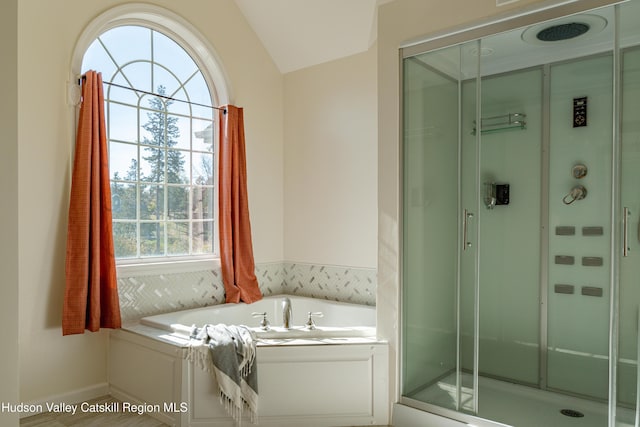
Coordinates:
[228,353]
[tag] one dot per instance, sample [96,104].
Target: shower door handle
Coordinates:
[625,232]
[465,228]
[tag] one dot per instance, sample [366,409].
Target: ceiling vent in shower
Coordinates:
[565,29]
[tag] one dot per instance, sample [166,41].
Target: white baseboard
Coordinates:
[75,396]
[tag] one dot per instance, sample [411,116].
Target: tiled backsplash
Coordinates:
[355,285]
[145,295]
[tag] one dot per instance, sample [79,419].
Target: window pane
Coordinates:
[177,167]
[205,113]
[202,205]
[151,239]
[96,58]
[121,95]
[170,84]
[170,54]
[202,135]
[136,75]
[178,202]
[124,239]
[199,93]
[152,162]
[178,130]
[123,122]
[123,200]
[128,43]
[151,202]
[202,237]
[177,238]
[123,161]
[202,169]
[180,107]
[155,127]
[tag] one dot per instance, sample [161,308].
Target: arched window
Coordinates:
[162,143]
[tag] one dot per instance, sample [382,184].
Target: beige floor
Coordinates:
[49,419]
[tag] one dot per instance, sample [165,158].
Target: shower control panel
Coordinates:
[495,194]
[502,194]
[579,112]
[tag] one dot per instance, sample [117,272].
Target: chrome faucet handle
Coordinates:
[577,193]
[264,323]
[310,324]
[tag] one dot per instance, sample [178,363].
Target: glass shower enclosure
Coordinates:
[521,223]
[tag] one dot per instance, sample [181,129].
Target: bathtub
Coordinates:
[333,375]
[331,319]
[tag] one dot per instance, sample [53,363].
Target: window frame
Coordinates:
[197,47]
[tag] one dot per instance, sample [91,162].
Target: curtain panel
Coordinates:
[236,250]
[91,295]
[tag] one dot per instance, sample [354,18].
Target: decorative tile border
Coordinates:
[270,278]
[346,284]
[153,294]
[146,295]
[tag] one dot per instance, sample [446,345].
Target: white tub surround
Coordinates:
[311,378]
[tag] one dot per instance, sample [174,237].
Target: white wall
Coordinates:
[9,361]
[330,164]
[52,365]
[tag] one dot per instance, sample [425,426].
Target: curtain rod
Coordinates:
[158,95]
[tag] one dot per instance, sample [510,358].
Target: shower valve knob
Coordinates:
[579,171]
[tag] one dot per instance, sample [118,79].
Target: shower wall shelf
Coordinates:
[501,123]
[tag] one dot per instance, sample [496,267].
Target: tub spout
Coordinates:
[286,313]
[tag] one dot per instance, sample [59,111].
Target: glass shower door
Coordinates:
[628,375]
[437,226]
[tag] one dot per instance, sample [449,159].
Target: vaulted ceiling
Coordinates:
[301,33]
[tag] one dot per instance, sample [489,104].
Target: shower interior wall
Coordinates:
[578,325]
[519,309]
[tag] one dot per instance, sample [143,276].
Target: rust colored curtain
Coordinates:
[91,295]
[236,250]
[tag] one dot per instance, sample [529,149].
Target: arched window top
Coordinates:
[137,61]
[169,25]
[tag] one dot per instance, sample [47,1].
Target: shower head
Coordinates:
[560,32]
[565,29]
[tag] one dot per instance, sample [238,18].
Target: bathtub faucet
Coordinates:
[286,312]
